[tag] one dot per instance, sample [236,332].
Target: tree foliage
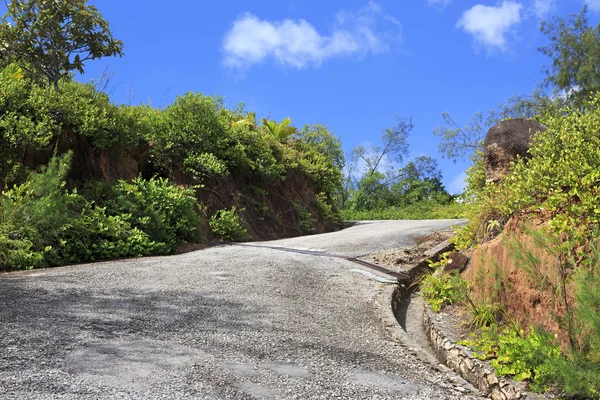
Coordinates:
[392,150]
[457,143]
[419,181]
[281,131]
[51,38]
[575,52]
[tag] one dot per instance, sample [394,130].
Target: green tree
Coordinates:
[321,158]
[575,51]
[458,142]
[371,192]
[419,180]
[51,38]
[392,150]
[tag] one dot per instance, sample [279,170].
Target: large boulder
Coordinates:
[504,142]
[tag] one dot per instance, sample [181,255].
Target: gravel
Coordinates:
[226,322]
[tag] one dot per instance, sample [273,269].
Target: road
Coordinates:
[227,322]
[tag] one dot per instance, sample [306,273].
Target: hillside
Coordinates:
[85,179]
[530,290]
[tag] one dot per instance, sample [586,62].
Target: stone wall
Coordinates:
[461,360]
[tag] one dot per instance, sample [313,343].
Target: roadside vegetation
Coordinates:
[545,217]
[84,179]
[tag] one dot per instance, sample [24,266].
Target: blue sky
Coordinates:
[351,65]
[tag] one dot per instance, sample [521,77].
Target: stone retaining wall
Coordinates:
[461,360]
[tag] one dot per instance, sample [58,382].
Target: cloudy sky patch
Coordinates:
[297,43]
[490,25]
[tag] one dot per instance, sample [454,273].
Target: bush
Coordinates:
[561,179]
[166,213]
[442,289]
[228,225]
[521,356]
[42,224]
[416,211]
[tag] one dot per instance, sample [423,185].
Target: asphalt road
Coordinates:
[227,322]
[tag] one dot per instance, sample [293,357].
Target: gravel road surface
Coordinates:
[227,322]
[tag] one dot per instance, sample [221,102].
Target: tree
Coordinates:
[419,180]
[456,142]
[422,167]
[51,38]
[575,53]
[393,149]
[371,192]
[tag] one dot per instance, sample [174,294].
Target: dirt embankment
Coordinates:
[270,209]
[523,275]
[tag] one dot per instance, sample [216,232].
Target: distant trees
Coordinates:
[52,38]
[393,148]
[377,181]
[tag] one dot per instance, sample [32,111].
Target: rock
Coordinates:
[504,142]
[456,262]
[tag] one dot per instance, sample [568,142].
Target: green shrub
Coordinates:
[166,213]
[321,158]
[521,356]
[327,209]
[440,290]
[32,115]
[484,313]
[417,211]
[43,224]
[228,225]
[560,178]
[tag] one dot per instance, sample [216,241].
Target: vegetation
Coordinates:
[559,179]
[523,356]
[575,54]
[196,136]
[558,186]
[442,289]
[383,190]
[42,224]
[184,151]
[52,38]
[532,354]
[228,225]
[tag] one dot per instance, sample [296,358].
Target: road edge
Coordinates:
[449,356]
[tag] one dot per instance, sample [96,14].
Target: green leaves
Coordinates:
[228,225]
[575,53]
[561,177]
[531,357]
[281,131]
[52,38]
[442,289]
[41,224]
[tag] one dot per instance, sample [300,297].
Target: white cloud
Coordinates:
[298,44]
[594,5]
[490,25]
[458,184]
[542,8]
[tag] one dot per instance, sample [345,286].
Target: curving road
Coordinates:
[228,322]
